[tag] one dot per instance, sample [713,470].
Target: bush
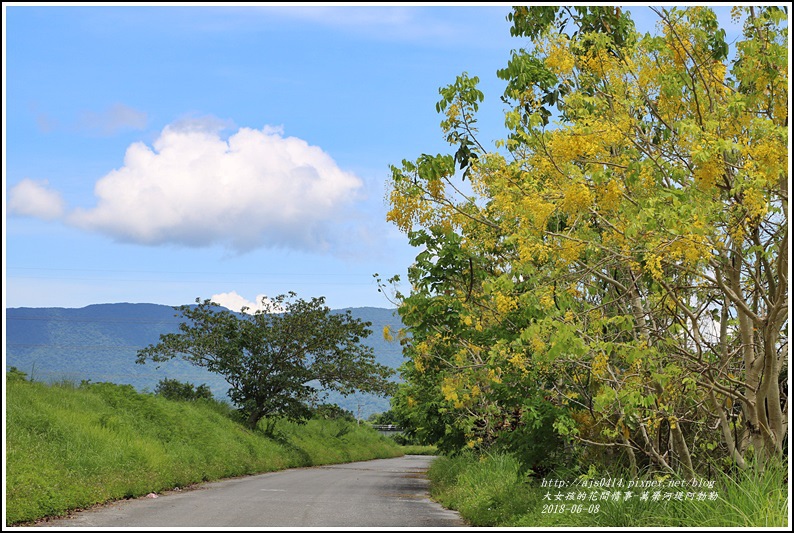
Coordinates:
[534,442]
[173,389]
[15,374]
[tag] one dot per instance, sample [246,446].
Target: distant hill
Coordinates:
[100,343]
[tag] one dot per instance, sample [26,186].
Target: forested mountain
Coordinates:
[100,342]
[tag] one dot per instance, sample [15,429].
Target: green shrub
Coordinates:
[173,389]
[15,374]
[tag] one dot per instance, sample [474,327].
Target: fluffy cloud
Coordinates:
[235,302]
[35,199]
[257,188]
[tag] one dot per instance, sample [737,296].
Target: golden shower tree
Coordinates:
[617,267]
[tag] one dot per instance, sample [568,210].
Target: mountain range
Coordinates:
[100,342]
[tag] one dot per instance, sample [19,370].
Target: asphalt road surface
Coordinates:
[380,493]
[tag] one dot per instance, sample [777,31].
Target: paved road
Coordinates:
[379,493]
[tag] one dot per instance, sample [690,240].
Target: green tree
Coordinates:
[275,358]
[173,389]
[331,411]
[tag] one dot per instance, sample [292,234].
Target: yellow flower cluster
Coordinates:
[767,161]
[570,251]
[474,442]
[518,360]
[493,376]
[453,112]
[408,209]
[546,301]
[565,146]
[647,179]
[460,357]
[707,173]
[755,203]
[689,249]
[529,251]
[504,304]
[679,52]
[536,211]
[449,391]
[609,195]
[422,348]
[647,72]
[653,263]
[457,390]
[599,365]
[598,61]
[559,58]
[609,135]
[577,198]
[574,291]
[540,164]
[717,79]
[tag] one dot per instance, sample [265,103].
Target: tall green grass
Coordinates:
[491,491]
[72,447]
[418,449]
[485,490]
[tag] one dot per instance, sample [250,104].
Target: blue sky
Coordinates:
[159,154]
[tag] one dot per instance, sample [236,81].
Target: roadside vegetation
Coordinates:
[71,446]
[491,490]
[416,449]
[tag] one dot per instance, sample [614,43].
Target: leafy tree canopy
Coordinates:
[275,359]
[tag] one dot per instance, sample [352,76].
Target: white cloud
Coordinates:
[35,199]
[112,120]
[235,302]
[193,188]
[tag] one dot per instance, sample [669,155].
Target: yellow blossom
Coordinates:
[449,390]
[504,304]
[559,60]
[577,198]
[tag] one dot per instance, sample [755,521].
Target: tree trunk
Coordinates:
[253,419]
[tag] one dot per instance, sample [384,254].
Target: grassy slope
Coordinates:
[489,491]
[69,448]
